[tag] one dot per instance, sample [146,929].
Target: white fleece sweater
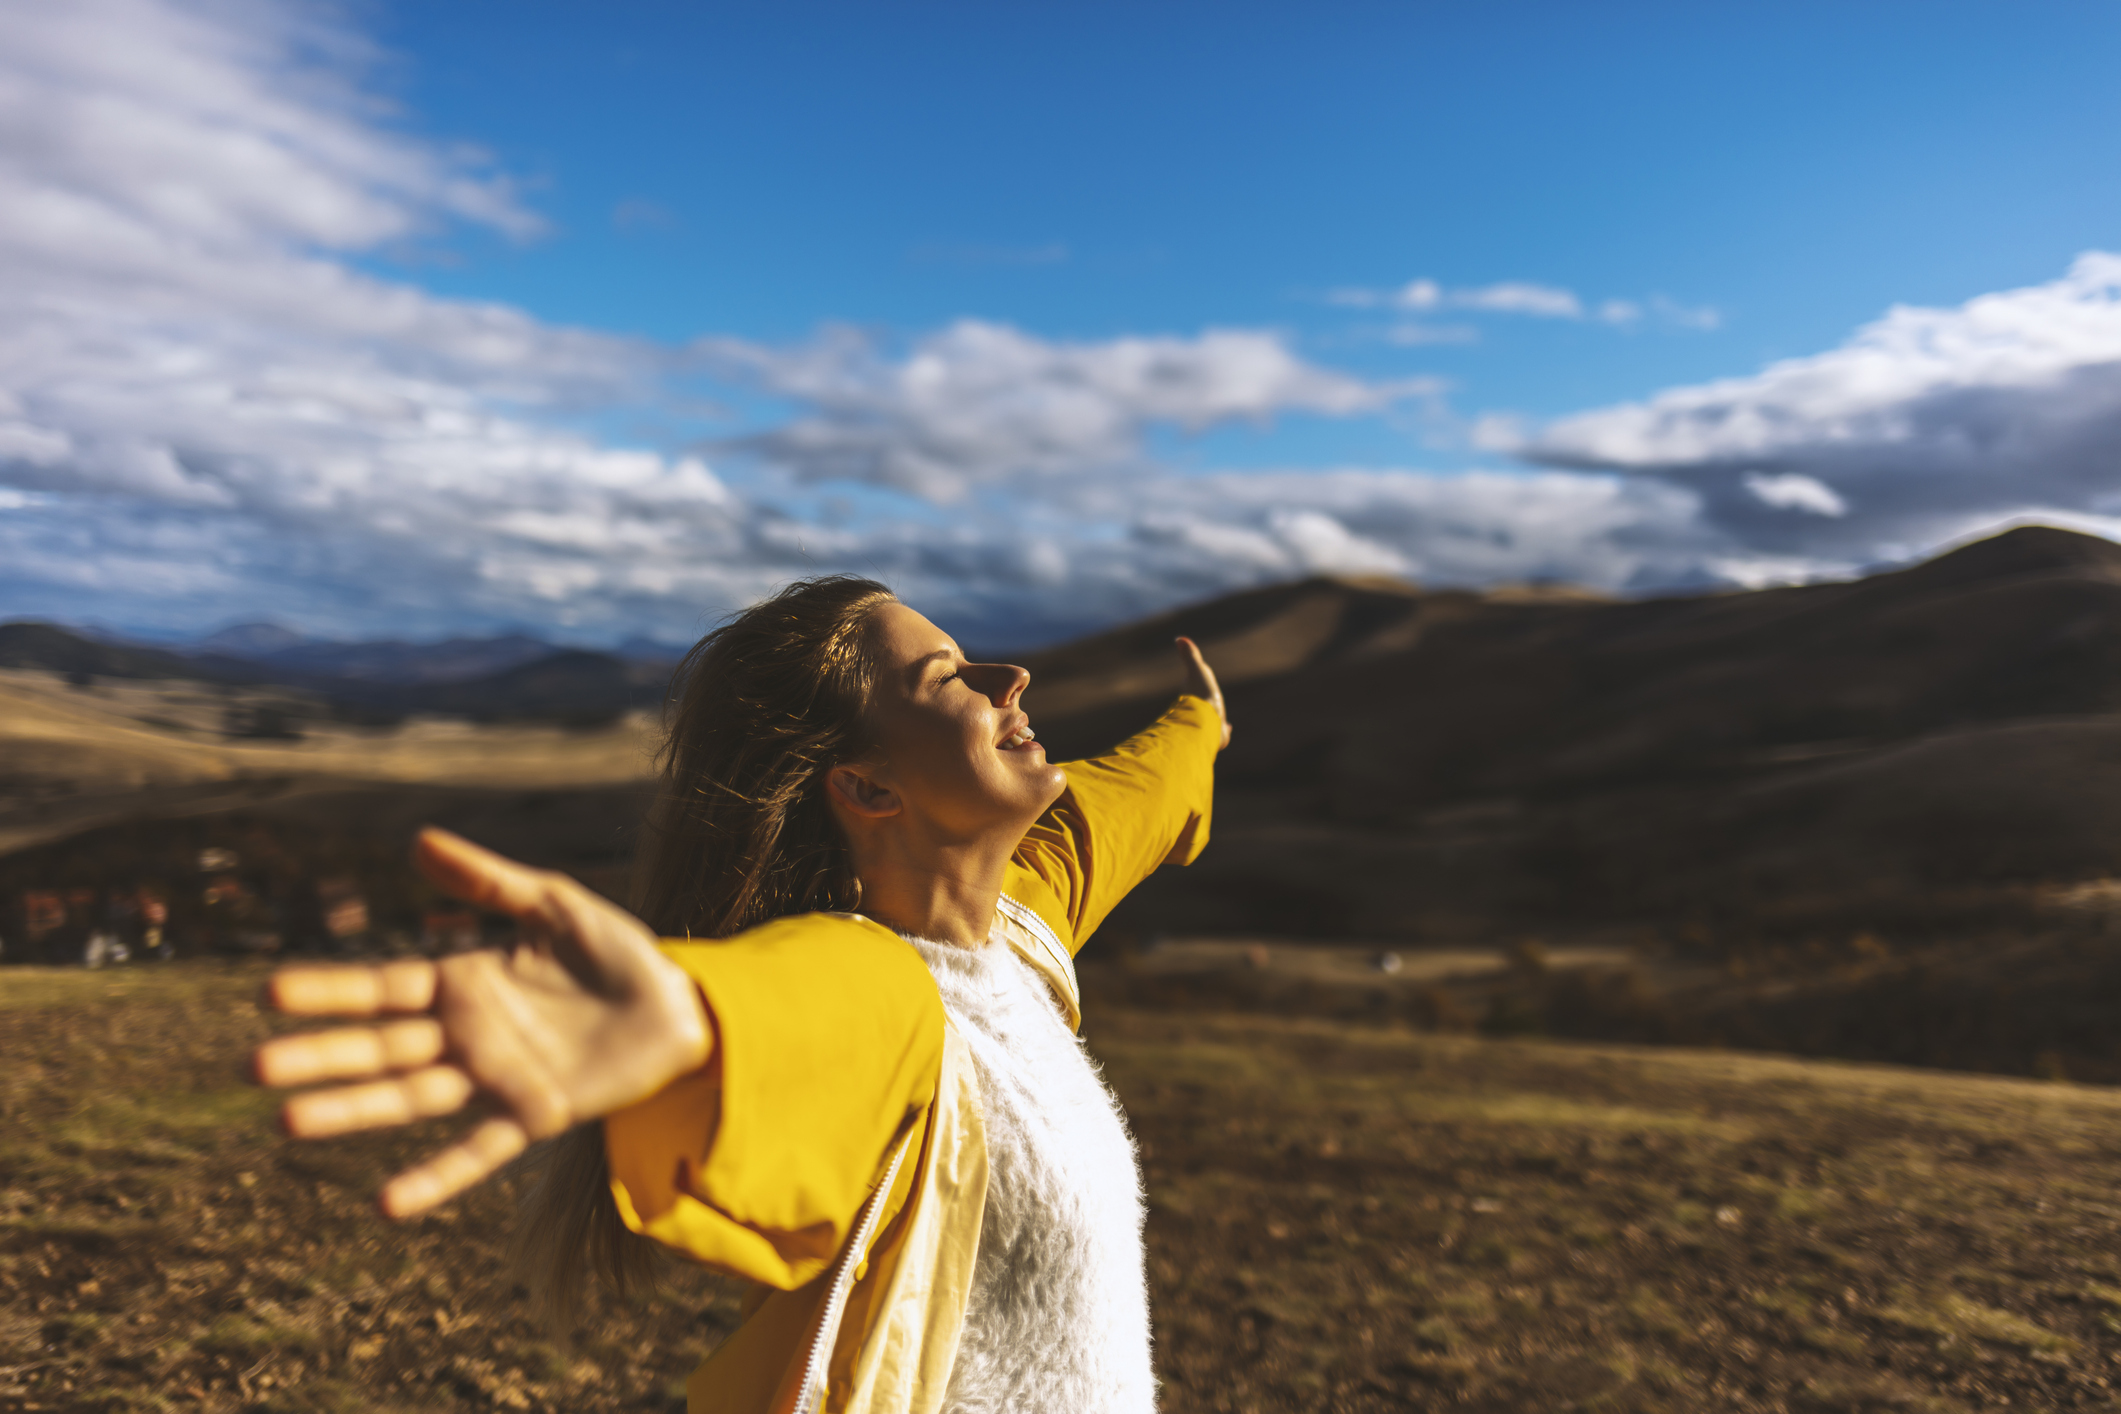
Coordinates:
[1058,1320]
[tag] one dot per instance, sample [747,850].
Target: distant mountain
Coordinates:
[567,685]
[452,660]
[1416,765]
[250,640]
[28,644]
[637,649]
[494,679]
[290,655]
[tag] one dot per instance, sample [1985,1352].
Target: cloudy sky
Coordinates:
[394,319]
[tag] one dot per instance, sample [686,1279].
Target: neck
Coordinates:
[944,893]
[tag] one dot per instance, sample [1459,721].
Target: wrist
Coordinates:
[689,1029]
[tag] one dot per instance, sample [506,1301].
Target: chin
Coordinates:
[1053,780]
[1029,786]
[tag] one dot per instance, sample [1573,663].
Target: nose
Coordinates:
[1002,682]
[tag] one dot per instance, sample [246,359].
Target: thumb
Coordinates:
[479,876]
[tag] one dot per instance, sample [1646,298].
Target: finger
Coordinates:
[354,1053]
[1203,682]
[559,906]
[476,1156]
[1195,663]
[424,1094]
[354,991]
[457,866]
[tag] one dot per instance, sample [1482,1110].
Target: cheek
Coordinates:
[1008,779]
[938,750]
[947,758]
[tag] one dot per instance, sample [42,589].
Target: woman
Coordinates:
[847,1071]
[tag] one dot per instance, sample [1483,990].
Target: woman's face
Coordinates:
[955,750]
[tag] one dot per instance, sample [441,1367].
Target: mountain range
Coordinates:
[505,678]
[1912,752]
[1906,751]
[450,660]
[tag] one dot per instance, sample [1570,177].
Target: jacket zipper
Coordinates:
[812,1397]
[1038,928]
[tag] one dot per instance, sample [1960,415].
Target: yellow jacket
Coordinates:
[833,1150]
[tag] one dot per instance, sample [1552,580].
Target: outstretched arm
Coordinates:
[1143,804]
[582,1017]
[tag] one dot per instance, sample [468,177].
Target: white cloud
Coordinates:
[1524,297]
[1794,491]
[1507,297]
[217,414]
[1521,297]
[1609,532]
[135,128]
[1700,316]
[1415,294]
[979,403]
[208,412]
[1075,563]
[1925,423]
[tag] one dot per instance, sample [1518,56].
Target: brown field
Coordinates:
[1343,1217]
[115,732]
[115,751]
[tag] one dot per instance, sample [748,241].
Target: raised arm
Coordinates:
[1144,804]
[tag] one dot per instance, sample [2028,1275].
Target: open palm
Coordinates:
[581,1017]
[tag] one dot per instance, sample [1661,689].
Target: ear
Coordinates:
[859,794]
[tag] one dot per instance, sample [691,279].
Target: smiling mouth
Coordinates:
[1023,736]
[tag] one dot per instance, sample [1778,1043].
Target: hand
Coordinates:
[581,1017]
[1200,681]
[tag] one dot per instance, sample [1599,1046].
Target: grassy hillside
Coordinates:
[81,756]
[1344,1218]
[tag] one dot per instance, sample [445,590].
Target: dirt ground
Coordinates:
[1342,1217]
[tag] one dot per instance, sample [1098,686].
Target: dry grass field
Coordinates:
[114,751]
[1342,1218]
[115,732]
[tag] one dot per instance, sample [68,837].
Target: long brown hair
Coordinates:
[740,833]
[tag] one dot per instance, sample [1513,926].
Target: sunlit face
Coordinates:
[954,747]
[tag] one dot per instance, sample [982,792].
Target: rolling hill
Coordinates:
[1885,752]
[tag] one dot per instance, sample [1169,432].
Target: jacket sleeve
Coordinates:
[828,1045]
[1124,814]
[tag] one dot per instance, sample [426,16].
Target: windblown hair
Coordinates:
[740,833]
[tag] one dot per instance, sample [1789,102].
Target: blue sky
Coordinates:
[1094,170]
[598,320]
